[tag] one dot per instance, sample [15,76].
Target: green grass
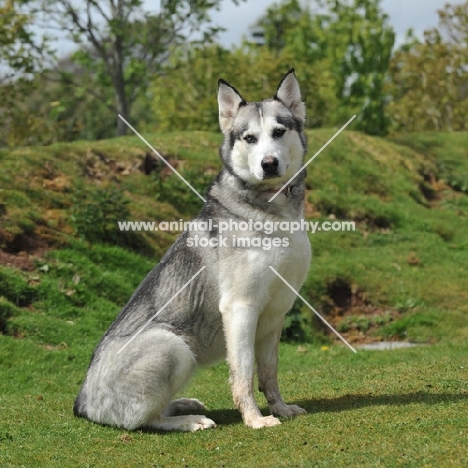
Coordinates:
[402,408]
[403,272]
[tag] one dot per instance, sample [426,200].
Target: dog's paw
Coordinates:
[266,421]
[187,423]
[287,411]
[201,423]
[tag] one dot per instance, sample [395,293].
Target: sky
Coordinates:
[236,19]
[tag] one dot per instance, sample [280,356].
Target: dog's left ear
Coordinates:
[289,94]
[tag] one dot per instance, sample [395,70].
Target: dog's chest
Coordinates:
[245,270]
[292,253]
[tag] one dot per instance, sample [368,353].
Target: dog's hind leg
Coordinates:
[133,387]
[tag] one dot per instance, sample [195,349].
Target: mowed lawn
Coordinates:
[400,276]
[374,408]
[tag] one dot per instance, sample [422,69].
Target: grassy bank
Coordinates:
[65,273]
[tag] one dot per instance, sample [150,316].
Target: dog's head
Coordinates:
[264,141]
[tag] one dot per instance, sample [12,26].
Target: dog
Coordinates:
[235,306]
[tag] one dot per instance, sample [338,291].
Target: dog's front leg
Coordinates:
[240,321]
[266,348]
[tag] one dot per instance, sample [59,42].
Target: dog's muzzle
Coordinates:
[270,166]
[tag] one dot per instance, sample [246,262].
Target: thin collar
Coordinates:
[286,190]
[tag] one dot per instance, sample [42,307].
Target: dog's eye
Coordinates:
[250,139]
[279,132]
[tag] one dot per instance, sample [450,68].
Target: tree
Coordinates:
[353,39]
[17,50]
[453,21]
[278,21]
[429,79]
[122,45]
[361,42]
[21,55]
[295,28]
[184,96]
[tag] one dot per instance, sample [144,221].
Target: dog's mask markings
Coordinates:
[265,143]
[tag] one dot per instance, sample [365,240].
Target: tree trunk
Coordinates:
[123,110]
[123,105]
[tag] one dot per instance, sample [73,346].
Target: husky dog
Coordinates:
[235,307]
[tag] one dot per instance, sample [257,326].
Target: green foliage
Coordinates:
[361,42]
[95,217]
[295,327]
[453,21]
[184,97]
[140,65]
[22,55]
[121,47]
[44,100]
[18,50]
[428,79]
[453,174]
[354,41]
[342,52]
[95,214]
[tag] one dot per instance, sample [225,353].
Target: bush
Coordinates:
[295,324]
[95,217]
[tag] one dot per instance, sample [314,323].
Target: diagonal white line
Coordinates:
[157,153]
[161,309]
[311,159]
[313,310]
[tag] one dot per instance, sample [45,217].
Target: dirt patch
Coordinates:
[340,293]
[432,188]
[23,242]
[21,250]
[153,163]
[350,312]
[22,262]
[99,166]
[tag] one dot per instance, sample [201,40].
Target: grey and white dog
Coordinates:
[236,305]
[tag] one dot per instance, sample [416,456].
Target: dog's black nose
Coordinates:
[270,165]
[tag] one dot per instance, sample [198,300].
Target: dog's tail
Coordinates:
[80,406]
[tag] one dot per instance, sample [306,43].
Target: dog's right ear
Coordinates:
[229,101]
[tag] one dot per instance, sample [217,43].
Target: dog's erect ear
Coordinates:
[289,94]
[229,101]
